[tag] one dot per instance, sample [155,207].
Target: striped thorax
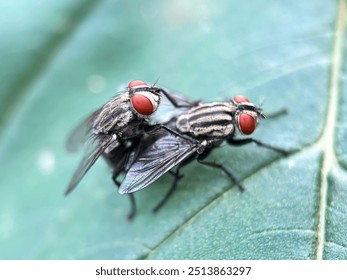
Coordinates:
[218,120]
[212,120]
[114,115]
[125,112]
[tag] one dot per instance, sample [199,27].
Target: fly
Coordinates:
[118,130]
[202,128]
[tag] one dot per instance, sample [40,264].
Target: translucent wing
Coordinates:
[165,152]
[93,152]
[102,120]
[80,135]
[93,135]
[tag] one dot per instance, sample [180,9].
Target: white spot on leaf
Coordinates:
[291,164]
[96,83]
[46,162]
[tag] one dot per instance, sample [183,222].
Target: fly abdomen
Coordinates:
[207,120]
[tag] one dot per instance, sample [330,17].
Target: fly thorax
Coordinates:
[114,115]
[213,120]
[113,122]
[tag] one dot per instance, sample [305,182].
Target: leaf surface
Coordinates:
[63,60]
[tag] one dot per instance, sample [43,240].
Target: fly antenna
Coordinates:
[156,82]
[261,101]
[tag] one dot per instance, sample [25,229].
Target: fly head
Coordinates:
[144,98]
[246,114]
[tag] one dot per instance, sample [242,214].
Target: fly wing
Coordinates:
[114,112]
[167,151]
[94,150]
[80,135]
[115,115]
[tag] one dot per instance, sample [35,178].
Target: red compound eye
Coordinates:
[240,99]
[142,104]
[247,123]
[137,83]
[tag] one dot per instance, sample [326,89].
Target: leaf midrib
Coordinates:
[327,139]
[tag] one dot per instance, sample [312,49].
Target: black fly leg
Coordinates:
[152,129]
[172,189]
[132,207]
[240,142]
[227,172]
[131,196]
[174,102]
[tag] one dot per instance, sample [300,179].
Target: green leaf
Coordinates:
[62,60]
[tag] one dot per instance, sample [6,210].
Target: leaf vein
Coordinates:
[327,139]
[200,211]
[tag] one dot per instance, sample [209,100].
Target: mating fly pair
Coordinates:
[124,134]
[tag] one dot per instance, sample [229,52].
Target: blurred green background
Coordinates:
[61,60]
